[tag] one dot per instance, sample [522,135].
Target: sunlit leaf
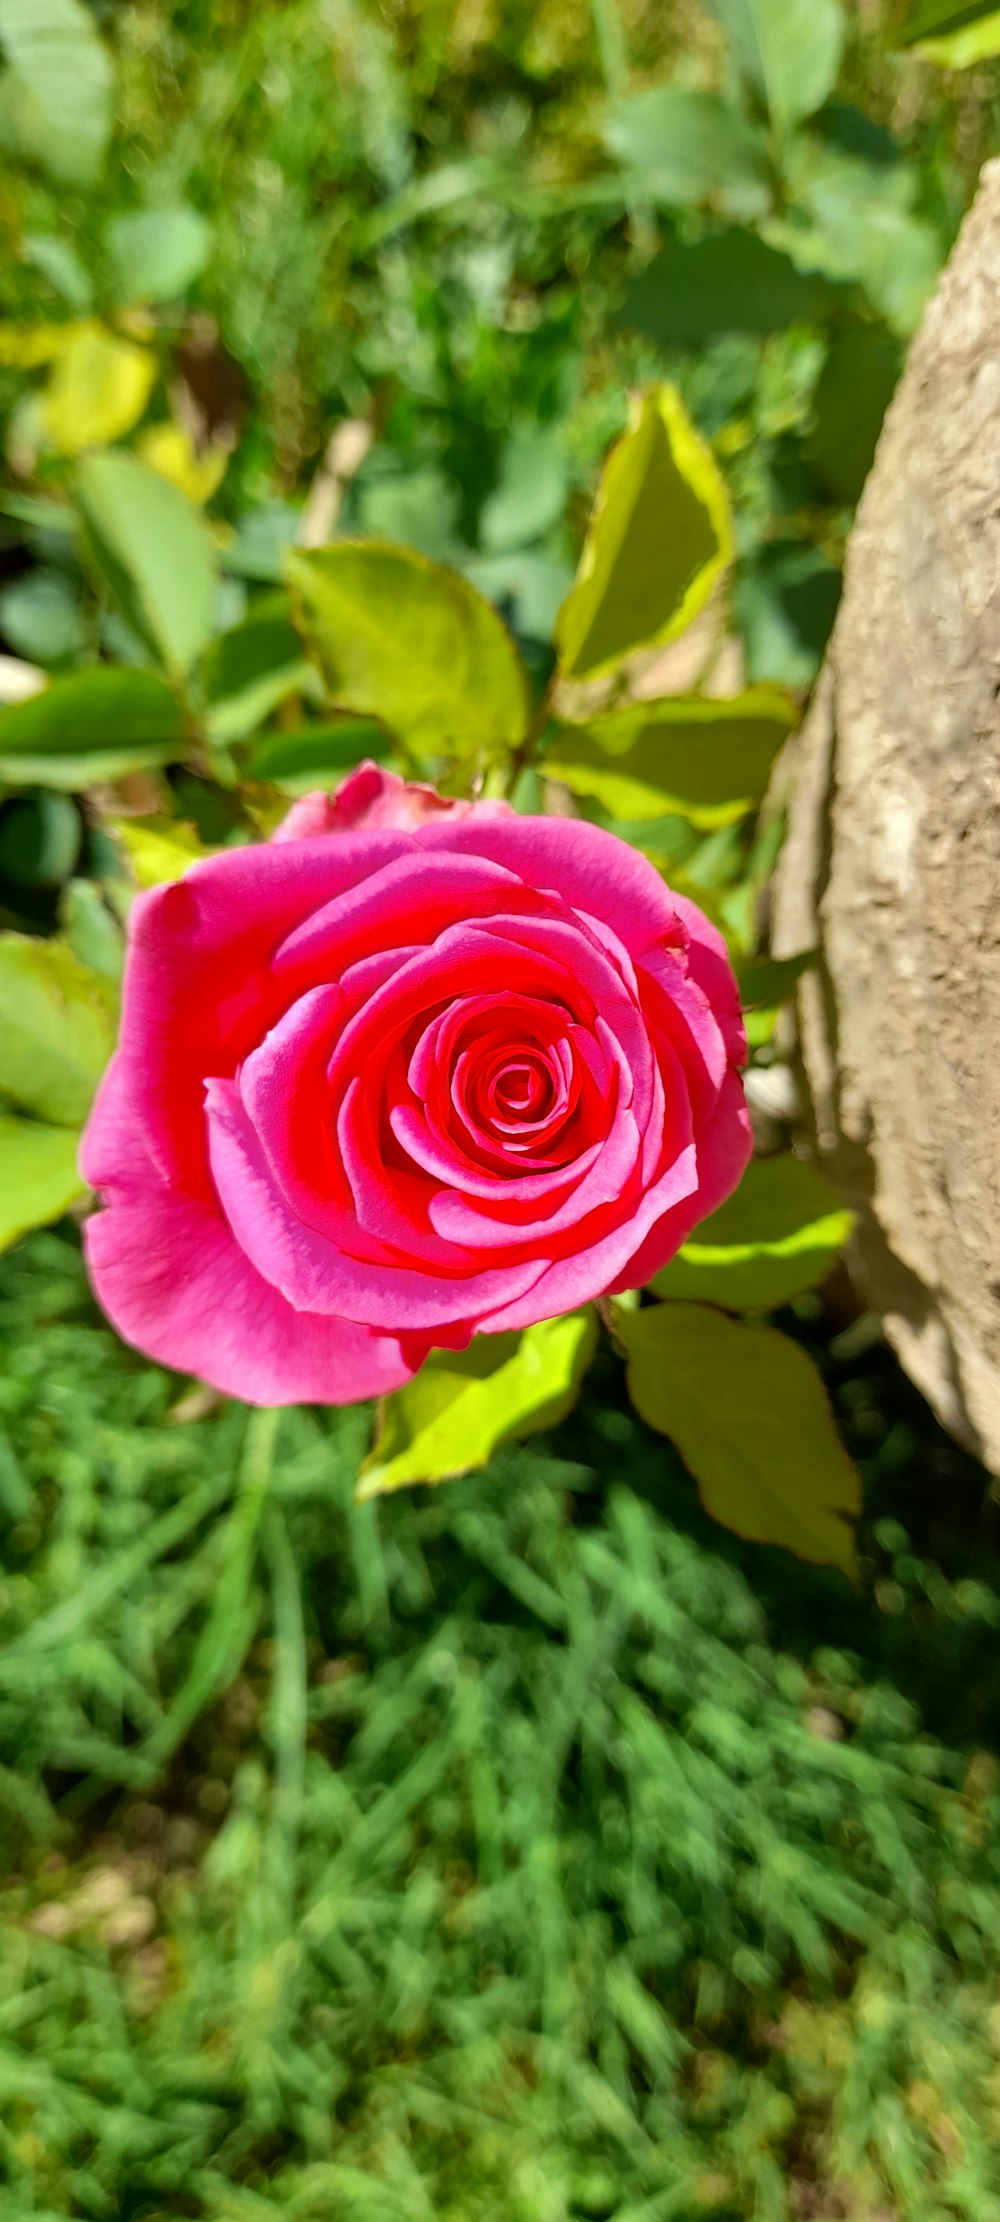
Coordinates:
[749,1414]
[967,30]
[99,387]
[683,147]
[90,726]
[169,449]
[57,1029]
[790,50]
[463,1404]
[659,538]
[158,849]
[962,48]
[405,641]
[687,756]
[156,253]
[62,80]
[780,1234]
[153,550]
[38,1175]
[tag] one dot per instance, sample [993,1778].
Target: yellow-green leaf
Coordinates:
[779,1235]
[463,1404]
[749,1415]
[154,551]
[57,1029]
[38,1175]
[169,449]
[659,538]
[687,756]
[158,849]
[98,389]
[406,641]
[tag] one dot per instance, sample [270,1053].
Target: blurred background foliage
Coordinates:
[530,1850]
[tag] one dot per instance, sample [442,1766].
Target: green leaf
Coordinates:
[156,253]
[658,541]
[158,849]
[694,291]
[766,983]
[92,929]
[57,1029]
[400,639]
[855,388]
[40,840]
[789,49]
[154,551]
[99,387]
[464,1404]
[41,618]
[970,27]
[749,1415]
[64,79]
[90,726]
[861,202]
[530,493]
[687,756]
[683,147]
[780,1234]
[252,668]
[317,755]
[38,1175]
[969,43]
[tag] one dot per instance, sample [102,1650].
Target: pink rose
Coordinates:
[382,1089]
[378,799]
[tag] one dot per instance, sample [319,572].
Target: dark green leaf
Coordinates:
[729,281]
[40,838]
[317,755]
[854,391]
[249,670]
[90,726]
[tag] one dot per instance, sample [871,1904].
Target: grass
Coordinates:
[517,1851]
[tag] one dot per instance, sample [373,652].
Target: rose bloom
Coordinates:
[412,1071]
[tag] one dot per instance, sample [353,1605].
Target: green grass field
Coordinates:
[525,1848]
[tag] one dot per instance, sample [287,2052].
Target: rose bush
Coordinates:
[410,1072]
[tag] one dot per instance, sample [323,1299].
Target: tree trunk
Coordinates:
[891,868]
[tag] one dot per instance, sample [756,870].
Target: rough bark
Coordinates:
[892,864]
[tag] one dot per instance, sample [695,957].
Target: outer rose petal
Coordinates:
[379,801]
[174,1282]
